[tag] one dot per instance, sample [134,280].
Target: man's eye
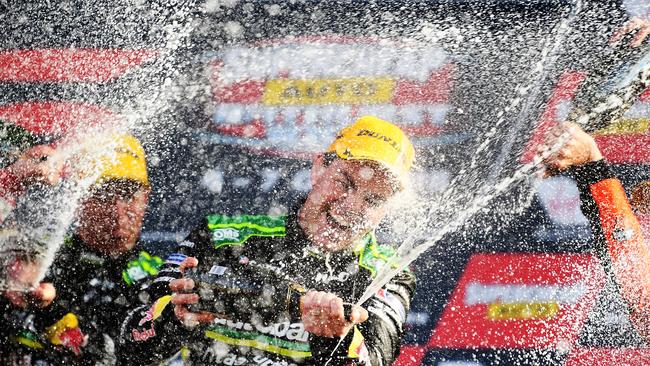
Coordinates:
[342,183]
[375,201]
[100,198]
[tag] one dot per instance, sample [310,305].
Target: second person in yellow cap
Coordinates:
[97,271]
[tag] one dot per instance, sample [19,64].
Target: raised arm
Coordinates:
[618,237]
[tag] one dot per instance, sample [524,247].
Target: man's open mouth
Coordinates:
[337,221]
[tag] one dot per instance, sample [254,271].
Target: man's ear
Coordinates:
[147,191]
[318,168]
[144,192]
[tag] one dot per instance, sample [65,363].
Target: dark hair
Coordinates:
[329,157]
[121,187]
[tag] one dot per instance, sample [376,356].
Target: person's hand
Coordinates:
[323,314]
[41,297]
[38,164]
[578,148]
[23,293]
[184,296]
[638,26]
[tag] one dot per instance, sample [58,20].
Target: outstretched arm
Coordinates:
[618,236]
[619,241]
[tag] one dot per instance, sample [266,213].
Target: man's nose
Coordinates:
[352,206]
[124,219]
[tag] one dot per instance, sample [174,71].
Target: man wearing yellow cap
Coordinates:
[252,289]
[96,268]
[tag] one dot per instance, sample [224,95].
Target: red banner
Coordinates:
[69,64]
[291,96]
[410,356]
[519,301]
[608,357]
[57,117]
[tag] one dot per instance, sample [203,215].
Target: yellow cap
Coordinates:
[127,161]
[370,138]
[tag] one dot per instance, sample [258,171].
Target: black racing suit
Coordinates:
[22,338]
[619,240]
[261,262]
[94,291]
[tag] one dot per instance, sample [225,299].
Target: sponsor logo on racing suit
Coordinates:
[141,336]
[327,278]
[290,331]
[285,340]
[155,310]
[227,233]
[151,314]
[213,356]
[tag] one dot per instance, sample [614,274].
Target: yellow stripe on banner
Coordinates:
[626,126]
[500,311]
[256,344]
[248,225]
[328,91]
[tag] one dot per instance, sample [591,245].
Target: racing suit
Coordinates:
[82,324]
[619,240]
[264,327]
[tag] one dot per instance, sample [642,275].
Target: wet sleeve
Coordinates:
[618,238]
[376,341]
[50,336]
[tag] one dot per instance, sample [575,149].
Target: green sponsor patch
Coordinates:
[373,256]
[235,230]
[144,266]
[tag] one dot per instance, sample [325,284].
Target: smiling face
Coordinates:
[111,218]
[347,200]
